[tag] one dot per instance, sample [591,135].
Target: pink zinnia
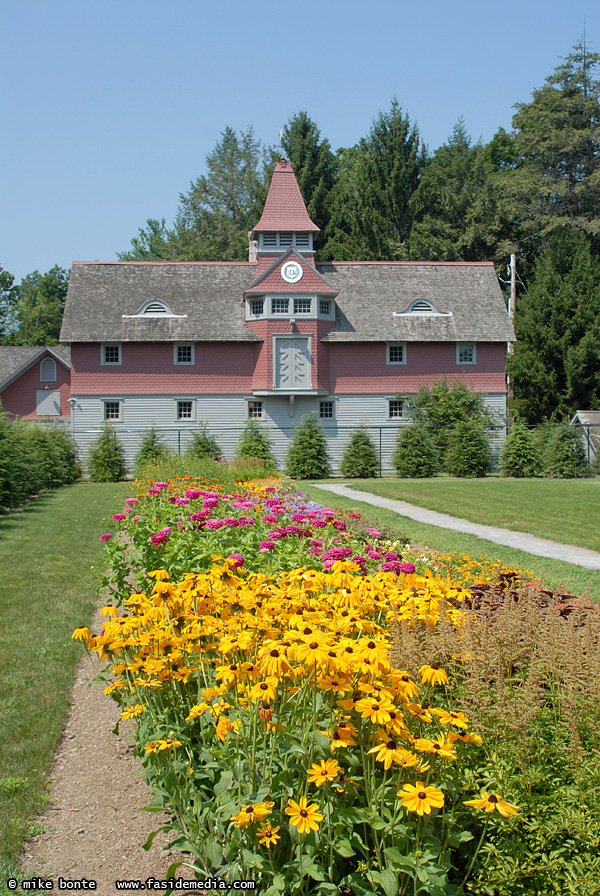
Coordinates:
[236,560]
[339,524]
[214,524]
[192,493]
[265,546]
[119,516]
[131,501]
[374,532]
[106,537]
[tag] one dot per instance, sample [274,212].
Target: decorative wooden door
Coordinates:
[292,364]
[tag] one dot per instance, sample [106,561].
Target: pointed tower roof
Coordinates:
[284,207]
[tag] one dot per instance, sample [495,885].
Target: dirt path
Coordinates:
[93,828]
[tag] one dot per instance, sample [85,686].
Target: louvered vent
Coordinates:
[285,239]
[155,308]
[421,307]
[269,240]
[303,240]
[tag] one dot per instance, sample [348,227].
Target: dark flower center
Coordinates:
[435,666]
[405,678]
[264,686]
[375,707]
[422,795]
[493,798]
[249,810]
[313,645]
[303,813]
[371,645]
[274,653]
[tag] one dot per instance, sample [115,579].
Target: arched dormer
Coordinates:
[421,308]
[155,308]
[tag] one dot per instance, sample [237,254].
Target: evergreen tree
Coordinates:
[371,216]
[152,243]
[106,458]
[39,307]
[152,450]
[555,177]
[442,407]
[555,365]
[468,453]
[307,456]
[415,455]
[315,167]
[564,454]
[520,456]
[255,442]
[203,444]
[360,459]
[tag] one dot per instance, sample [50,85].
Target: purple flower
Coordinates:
[339,524]
[119,516]
[106,537]
[407,568]
[153,491]
[354,516]
[131,501]
[162,536]
[192,494]
[319,524]
[269,518]
[374,532]
[374,555]
[276,535]
[161,485]
[265,546]
[215,524]
[390,555]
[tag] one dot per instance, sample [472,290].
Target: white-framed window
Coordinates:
[395,408]
[280,306]
[255,410]
[396,353]
[465,353]
[302,306]
[185,409]
[326,410]
[325,307]
[183,353]
[112,410]
[110,353]
[256,307]
[48,370]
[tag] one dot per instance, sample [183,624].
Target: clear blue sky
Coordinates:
[110,106]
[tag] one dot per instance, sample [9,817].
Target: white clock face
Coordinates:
[291,272]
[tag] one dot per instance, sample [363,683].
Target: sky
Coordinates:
[109,107]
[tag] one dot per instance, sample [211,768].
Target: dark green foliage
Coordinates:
[203,444]
[564,455]
[370,205]
[360,459]
[440,408]
[153,243]
[255,442]
[415,456]
[106,458]
[33,457]
[520,455]
[315,167]
[39,308]
[152,450]
[468,451]
[307,456]
[8,299]
[556,360]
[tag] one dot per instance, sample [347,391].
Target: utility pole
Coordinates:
[511,310]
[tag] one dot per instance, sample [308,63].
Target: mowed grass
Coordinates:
[47,552]
[566,511]
[555,573]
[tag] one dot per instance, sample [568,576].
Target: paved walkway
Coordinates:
[519,540]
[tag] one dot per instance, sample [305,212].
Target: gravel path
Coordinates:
[93,828]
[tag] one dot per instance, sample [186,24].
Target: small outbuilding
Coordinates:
[35,381]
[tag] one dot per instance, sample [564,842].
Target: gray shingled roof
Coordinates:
[370,293]
[210,295]
[16,359]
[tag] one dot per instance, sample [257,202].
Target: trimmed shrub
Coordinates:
[415,456]
[203,444]
[360,459]
[153,449]
[106,459]
[57,453]
[307,456]
[520,456]
[564,454]
[468,453]
[255,443]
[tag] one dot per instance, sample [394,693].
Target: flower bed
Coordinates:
[252,637]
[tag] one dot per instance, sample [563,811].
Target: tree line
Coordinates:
[534,191]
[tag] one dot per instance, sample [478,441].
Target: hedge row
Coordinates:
[33,457]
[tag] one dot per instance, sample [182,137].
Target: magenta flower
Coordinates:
[390,555]
[131,501]
[374,555]
[215,524]
[269,518]
[374,532]
[319,524]
[354,516]
[106,537]
[119,516]
[236,560]
[266,546]
[192,494]
[407,568]
[340,525]
[162,536]
[153,491]
[161,485]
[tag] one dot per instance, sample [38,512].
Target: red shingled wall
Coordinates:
[19,399]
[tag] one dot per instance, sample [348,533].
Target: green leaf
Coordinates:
[343,848]
[389,882]
[277,887]
[313,871]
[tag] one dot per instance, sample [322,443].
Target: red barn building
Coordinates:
[35,381]
[276,337]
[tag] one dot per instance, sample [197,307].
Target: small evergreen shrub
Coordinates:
[203,444]
[468,453]
[564,455]
[254,442]
[153,449]
[520,456]
[106,458]
[415,456]
[360,459]
[307,456]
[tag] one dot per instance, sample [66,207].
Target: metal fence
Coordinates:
[178,440]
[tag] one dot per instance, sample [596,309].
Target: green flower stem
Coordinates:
[475,854]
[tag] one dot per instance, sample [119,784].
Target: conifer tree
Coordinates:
[360,459]
[520,456]
[415,456]
[307,456]
[106,458]
[255,442]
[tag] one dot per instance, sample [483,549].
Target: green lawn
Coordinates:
[555,573]
[47,555]
[566,511]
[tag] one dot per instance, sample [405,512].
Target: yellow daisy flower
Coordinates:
[303,817]
[326,770]
[421,799]
[490,802]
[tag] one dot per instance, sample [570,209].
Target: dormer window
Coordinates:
[256,307]
[422,308]
[280,306]
[154,308]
